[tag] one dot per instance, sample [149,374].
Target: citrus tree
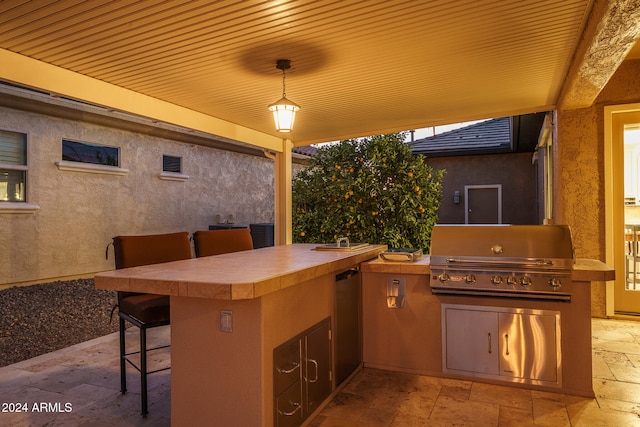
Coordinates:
[370,190]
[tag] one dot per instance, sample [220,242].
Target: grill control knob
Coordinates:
[470,278]
[512,281]
[443,277]
[555,283]
[496,280]
[525,281]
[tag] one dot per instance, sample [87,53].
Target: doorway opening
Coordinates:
[622,206]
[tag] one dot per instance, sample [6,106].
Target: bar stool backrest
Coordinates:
[216,242]
[134,251]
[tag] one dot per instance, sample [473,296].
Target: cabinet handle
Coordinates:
[506,339]
[289,414]
[294,367]
[489,338]
[316,366]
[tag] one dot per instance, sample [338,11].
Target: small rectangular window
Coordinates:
[13,166]
[171,164]
[90,153]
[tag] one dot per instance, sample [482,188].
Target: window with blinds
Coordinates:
[13,166]
[171,164]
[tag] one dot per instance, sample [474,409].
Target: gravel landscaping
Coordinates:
[41,318]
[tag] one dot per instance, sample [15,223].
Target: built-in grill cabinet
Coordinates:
[501,343]
[503,290]
[302,375]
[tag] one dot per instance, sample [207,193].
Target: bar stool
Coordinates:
[215,242]
[142,310]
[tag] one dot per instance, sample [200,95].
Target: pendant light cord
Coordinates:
[284,92]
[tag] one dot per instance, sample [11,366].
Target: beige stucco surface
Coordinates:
[80,212]
[580,150]
[580,169]
[237,367]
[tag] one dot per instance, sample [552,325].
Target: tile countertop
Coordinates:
[592,270]
[251,274]
[238,275]
[584,270]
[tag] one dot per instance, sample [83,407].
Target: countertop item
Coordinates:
[401,254]
[377,265]
[348,247]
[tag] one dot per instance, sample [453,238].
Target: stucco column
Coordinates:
[283,203]
[579,185]
[582,195]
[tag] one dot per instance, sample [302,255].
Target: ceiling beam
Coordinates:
[25,71]
[611,32]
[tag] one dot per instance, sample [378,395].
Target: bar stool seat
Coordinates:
[146,308]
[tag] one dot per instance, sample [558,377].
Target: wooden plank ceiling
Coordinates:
[358,67]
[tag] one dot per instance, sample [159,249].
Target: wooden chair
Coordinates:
[215,242]
[142,310]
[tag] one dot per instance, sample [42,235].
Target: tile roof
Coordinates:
[305,150]
[489,136]
[501,135]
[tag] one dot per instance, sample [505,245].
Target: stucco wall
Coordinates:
[515,172]
[580,162]
[80,212]
[580,169]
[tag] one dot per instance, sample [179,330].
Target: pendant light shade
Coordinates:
[284,114]
[284,110]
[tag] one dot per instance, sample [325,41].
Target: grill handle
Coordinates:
[528,263]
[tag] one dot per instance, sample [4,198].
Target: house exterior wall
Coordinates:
[580,162]
[580,169]
[80,212]
[514,171]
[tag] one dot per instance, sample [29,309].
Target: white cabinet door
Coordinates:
[471,341]
[528,346]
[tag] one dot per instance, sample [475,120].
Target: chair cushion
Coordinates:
[147,308]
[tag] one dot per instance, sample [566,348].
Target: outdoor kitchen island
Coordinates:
[412,338]
[229,313]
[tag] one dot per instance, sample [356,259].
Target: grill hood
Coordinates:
[501,242]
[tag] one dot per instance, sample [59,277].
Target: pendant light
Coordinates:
[284,110]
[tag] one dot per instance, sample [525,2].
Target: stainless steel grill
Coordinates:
[515,261]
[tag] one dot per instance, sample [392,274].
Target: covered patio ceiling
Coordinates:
[358,67]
